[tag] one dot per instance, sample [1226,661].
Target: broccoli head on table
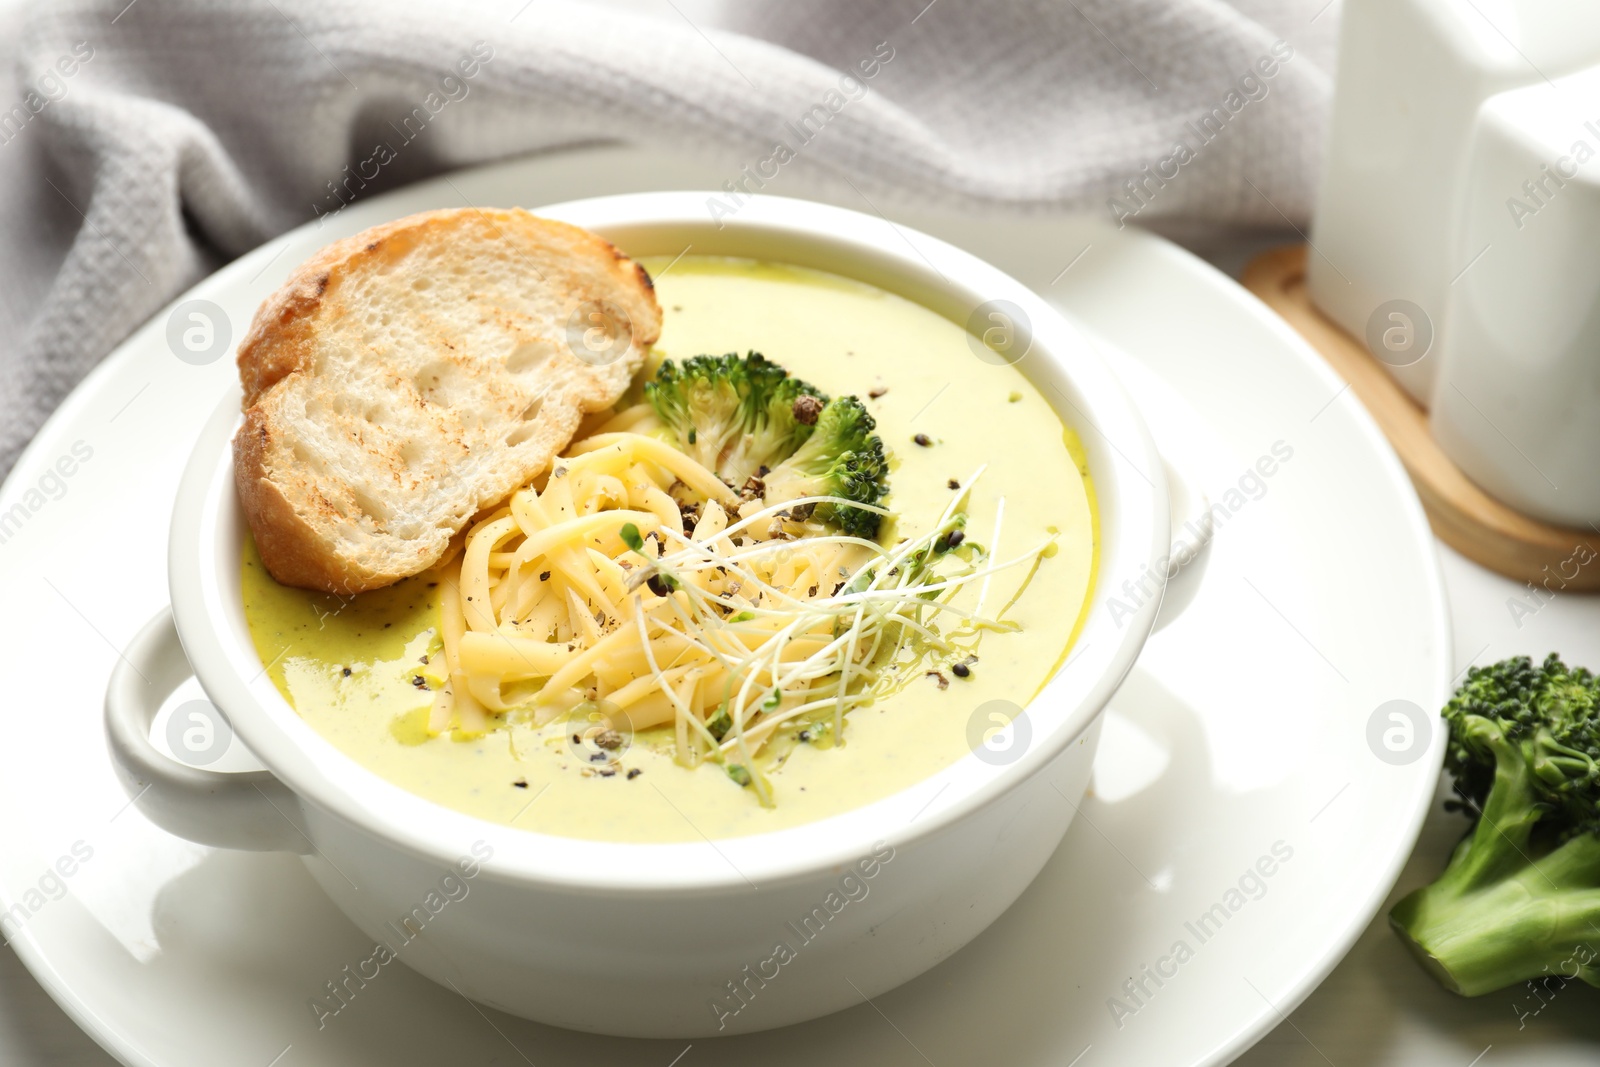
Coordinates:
[1520,898]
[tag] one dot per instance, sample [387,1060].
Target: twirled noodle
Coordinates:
[589,589]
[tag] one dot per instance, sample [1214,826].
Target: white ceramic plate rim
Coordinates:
[1425,783]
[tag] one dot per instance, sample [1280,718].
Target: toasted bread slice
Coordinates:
[410,376]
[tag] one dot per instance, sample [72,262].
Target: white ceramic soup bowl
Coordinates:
[680,939]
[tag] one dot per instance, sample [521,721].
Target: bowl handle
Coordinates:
[248,810]
[1193,530]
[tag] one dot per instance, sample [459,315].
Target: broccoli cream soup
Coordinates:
[776,582]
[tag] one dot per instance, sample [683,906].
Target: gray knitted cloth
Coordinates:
[144,144]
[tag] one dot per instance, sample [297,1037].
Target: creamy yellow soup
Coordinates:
[361,669]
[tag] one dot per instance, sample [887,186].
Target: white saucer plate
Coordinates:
[1247,816]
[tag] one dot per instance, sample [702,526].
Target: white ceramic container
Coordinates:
[1517,399]
[1412,77]
[670,939]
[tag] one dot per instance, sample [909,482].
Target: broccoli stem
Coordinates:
[1498,916]
[1510,812]
[1543,920]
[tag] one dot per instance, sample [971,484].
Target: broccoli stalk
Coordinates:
[1520,898]
[842,459]
[732,414]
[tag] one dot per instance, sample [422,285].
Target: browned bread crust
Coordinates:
[407,377]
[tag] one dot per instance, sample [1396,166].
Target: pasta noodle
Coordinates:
[589,590]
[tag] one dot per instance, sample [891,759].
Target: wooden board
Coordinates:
[1464,516]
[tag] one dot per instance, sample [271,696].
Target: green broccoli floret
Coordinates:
[1521,896]
[734,414]
[843,458]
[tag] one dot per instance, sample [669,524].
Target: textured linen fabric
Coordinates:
[143,145]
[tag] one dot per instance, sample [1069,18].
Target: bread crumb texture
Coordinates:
[408,377]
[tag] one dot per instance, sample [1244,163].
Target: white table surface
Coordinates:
[1377,1009]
